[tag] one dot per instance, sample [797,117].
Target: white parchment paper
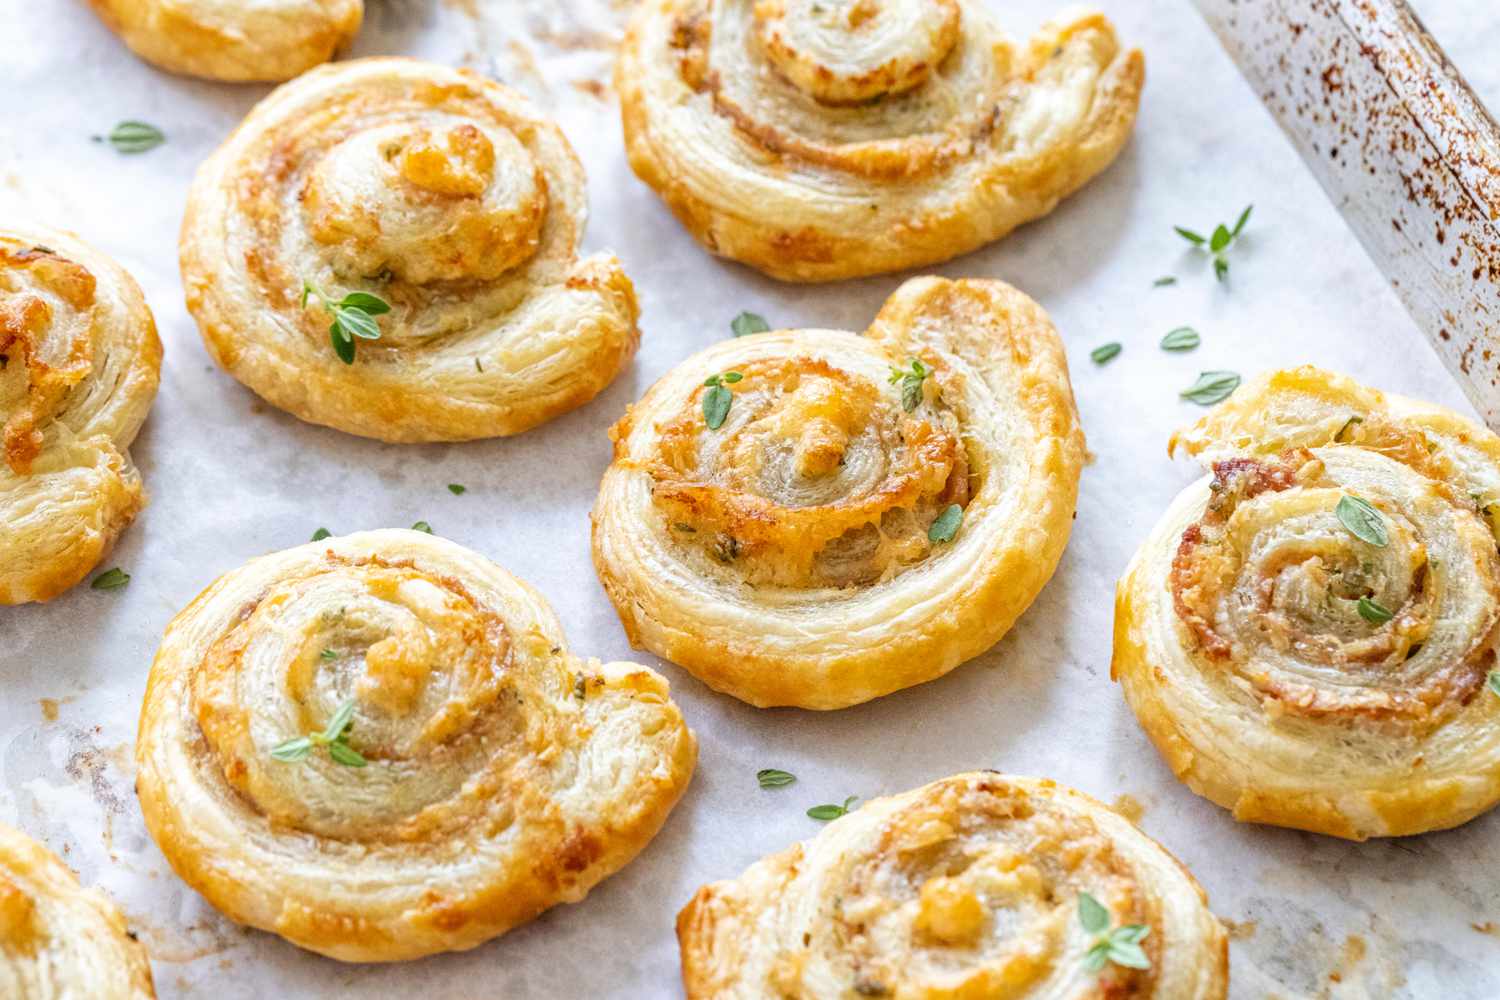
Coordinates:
[231,478]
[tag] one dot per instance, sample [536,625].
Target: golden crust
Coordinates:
[444,193]
[785,557]
[504,775]
[738,113]
[234,40]
[59,940]
[79,364]
[1240,639]
[965,887]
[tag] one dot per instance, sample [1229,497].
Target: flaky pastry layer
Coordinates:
[793,555]
[58,940]
[494,774]
[966,887]
[234,40]
[1304,672]
[79,365]
[824,139]
[441,192]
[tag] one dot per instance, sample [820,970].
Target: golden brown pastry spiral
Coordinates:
[234,40]
[445,195]
[825,139]
[1306,634]
[485,773]
[795,554]
[79,363]
[58,940]
[968,887]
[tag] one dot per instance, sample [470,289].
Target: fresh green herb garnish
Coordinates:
[1339,437]
[1122,945]
[770,777]
[1363,521]
[1373,612]
[422,526]
[111,579]
[747,323]
[1105,352]
[1092,913]
[946,526]
[910,379]
[1217,244]
[353,318]
[1184,338]
[718,397]
[321,534]
[1164,280]
[329,654]
[1493,680]
[131,137]
[335,736]
[457,490]
[1211,387]
[830,811]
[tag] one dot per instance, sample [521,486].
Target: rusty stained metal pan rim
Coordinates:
[1404,149]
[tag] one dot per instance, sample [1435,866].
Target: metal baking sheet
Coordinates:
[231,478]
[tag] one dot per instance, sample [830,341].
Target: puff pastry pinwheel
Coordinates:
[976,886]
[433,193]
[79,363]
[58,940]
[825,139]
[816,517]
[234,40]
[1307,632]
[379,747]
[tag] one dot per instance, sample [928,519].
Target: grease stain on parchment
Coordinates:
[52,707]
[1129,806]
[1238,930]
[596,89]
[1353,953]
[1284,948]
[191,942]
[523,62]
[88,764]
[540,44]
[96,768]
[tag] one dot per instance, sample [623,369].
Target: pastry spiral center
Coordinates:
[424,665]
[46,344]
[817,476]
[970,893]
[426,203]
[1275,585]
[851,51]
